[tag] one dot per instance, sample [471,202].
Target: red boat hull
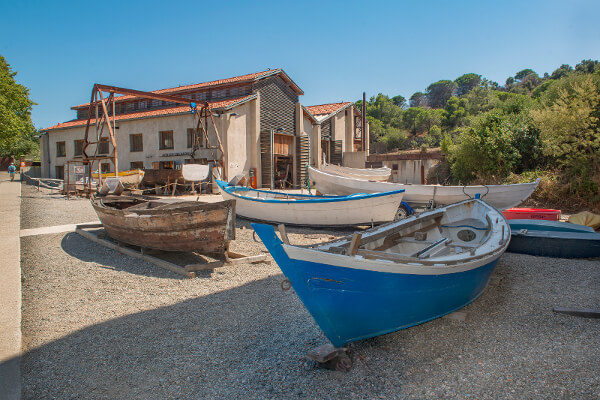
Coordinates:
[532,213]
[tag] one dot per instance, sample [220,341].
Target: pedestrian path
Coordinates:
[45,230]
[10,288]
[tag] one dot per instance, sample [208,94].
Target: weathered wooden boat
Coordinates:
[500,196]
[553,239]
[532,213]
[310,210]
[374,174]
[396,275]
[206,228]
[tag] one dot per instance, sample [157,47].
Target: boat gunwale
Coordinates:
[381,232]
[537,181]
[309,198]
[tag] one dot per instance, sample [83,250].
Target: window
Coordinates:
[78,144]
[105,167]
[165,140]
[136,142]
[136,165]
[190,138]
[103,146]
[61,150]
[167,164]
[60,171]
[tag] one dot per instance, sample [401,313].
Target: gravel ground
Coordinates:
[46,208]
[101,325]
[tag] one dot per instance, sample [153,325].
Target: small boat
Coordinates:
[374,174]
[310,210]
[129,177]
[553,239]
[500,196]
[532,213]
[396,275]
[206,228]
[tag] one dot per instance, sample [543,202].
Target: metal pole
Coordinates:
[364,123]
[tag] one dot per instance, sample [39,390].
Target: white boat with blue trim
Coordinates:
[396,275]
[311,210]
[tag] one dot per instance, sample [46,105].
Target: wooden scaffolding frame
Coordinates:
[99,111]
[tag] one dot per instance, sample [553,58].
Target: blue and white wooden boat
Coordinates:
[299,209]
[553,239]
[396,275]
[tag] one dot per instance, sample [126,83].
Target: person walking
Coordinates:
[11,171]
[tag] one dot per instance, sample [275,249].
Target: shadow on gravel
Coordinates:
[85,250]
[239,343]
[250,341]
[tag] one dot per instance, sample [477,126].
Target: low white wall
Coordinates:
[354,159]
[409,171]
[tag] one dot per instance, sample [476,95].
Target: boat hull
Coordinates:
[532,213]
[206,228]
[375,174]
[130,177]
[316,210]
[351,304]
[555,244]
[499,196]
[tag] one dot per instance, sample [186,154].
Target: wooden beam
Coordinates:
[283,233]
[204,267]
[112,136]
[147,95]
[133,253]
[354,243]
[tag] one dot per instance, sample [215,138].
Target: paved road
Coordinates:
[10,288]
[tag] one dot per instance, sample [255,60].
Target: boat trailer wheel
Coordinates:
[401,213]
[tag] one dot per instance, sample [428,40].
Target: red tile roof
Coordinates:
[326,109]
[242,78]
[224,104]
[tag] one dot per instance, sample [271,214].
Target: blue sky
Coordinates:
[334,50]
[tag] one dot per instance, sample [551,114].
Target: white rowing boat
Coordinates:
[298,209]
[374,174]
[500,196]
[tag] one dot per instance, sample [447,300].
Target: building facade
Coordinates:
[262,126]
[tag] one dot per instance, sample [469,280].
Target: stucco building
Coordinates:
[260,121]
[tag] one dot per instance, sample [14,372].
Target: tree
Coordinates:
[587,66]
[394,139]
[439,92]
[418,99]
[413,119]
[466,83]
[399,101]
[561,71]
[485,150]
[523,73]
[455,112]
[16,129]
[570,124]
[430,118]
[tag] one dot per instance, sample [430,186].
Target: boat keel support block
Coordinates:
[330,357]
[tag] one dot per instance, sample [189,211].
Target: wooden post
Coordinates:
[354,243]
[283,233]
[112,135]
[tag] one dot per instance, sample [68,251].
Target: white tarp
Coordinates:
[195,172]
